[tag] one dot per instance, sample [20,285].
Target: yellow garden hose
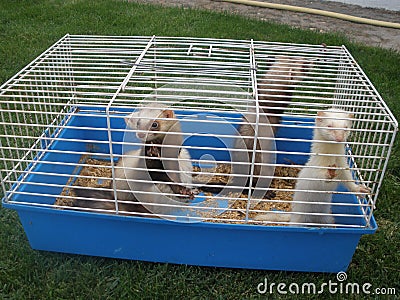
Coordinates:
[317,12]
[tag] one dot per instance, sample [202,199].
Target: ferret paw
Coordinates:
[190,193]
[363,189]
[331,173]
[185,191]
[153,151]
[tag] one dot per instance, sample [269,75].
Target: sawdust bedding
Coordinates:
[97,174]
[281,185]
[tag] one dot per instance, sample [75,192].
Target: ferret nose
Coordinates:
[141,135]
[339,136]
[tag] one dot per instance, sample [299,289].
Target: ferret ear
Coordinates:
[319,114]
[168,114]
[127,118]
[351,116]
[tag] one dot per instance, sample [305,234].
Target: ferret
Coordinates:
[274,94]
[325,169]
[155,125]
[275,90]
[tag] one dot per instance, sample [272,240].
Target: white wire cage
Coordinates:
[65,129]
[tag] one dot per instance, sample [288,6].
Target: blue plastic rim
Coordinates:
[204,244]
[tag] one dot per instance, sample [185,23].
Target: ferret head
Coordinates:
[151,124]
[338,125]
[290,68]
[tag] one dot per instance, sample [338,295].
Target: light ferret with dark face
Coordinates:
[160,167]
[326,168]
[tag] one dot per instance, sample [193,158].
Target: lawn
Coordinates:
[30,27]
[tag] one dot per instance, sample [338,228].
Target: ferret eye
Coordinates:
[154,125]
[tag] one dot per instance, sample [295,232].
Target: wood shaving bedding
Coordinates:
[283,182]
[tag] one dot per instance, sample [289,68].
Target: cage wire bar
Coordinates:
[253,72]
[83,81]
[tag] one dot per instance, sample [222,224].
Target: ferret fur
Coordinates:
[327,163]
[275,92]
[153,124]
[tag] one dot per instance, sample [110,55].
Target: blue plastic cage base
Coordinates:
[203,244]
[156,240]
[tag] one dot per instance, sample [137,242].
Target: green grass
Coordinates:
[27,28]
